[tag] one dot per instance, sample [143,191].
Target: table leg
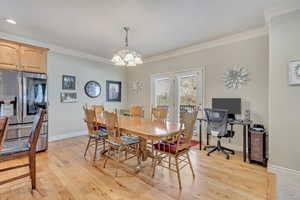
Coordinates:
[144,154]
[244,142]
[248,143]
[200,135]
[207,139]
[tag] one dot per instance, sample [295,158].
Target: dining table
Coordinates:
[146,130]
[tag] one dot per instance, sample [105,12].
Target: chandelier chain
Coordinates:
[126,38]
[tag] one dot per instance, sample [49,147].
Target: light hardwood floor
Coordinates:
[63,173]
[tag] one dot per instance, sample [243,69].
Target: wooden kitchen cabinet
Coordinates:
[33,59]
[9,55]
[22,57]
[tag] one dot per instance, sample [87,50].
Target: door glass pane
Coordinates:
[162,92]
[36,95]
[188,95]
[188,91]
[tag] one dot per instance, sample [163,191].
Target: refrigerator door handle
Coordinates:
[25,127]
[20,99]
[19,127]
[17,109]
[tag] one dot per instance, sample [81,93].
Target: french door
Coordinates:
[177,91]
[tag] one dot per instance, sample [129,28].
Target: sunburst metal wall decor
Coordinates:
[236,77]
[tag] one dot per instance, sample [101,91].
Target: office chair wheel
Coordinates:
[227,157]
[208,154]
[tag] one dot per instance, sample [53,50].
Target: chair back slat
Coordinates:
[99,109]
[136,111]
[187,121]
[91,120]
[112,127]
[216,121]
[3,129]
[36,129]
[159,113]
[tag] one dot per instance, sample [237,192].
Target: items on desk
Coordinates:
[247,115]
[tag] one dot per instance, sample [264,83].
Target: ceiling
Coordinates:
[95,26]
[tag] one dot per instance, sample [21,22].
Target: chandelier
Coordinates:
[127,57]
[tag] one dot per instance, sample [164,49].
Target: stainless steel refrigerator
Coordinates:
[21,95]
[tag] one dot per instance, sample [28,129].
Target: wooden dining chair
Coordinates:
[3,130]
[136,111]
[176,147]
[159,113]
[97,135]
[20,148]
[119,143]
[99,109]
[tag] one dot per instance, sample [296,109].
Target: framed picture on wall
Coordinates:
[294,72]
[68,82]
[68,97]
[113,91]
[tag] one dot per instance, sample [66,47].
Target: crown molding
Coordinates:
[173,53]
[55,48]
[282,9]
[209,44]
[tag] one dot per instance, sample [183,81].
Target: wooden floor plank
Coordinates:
[63,173]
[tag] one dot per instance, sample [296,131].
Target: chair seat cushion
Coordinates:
[166,146]
[102,133]
[130,139]
[15,146]
[127,140]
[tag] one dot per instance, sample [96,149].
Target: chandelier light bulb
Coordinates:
[138,60]
[129,57]
[11,21]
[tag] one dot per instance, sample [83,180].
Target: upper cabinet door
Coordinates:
[9,55]
[33,59]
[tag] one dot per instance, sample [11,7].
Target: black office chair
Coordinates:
[217,126]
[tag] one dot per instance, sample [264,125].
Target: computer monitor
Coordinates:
[233,105]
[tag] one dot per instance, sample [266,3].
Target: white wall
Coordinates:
[284,105]
[67,118]
[251,54]
[284,101]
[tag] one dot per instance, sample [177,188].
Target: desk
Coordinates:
[245,124]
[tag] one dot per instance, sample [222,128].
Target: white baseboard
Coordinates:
[278,169]
[67,135]
[288,182]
